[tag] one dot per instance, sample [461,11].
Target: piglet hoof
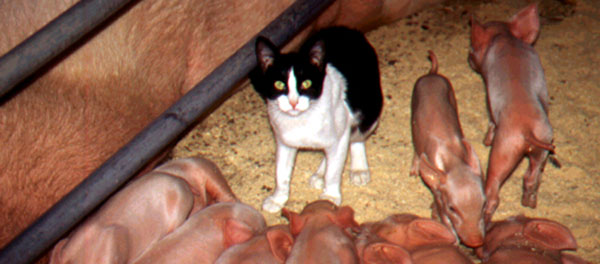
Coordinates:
[360,177]
[316,181]
[529,200]
[337,200]
[489,211]
[271,205]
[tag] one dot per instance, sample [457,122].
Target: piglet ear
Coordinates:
[525,25]
[430,174]
[57,253]
[549,234]
[280,242]
[480,40]
[296,221]
[344,217]
[429,232]
[472,158]
[317,54]
[384,252]
[236,232]
[478,35]
[266,52]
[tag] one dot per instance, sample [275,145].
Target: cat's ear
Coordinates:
[265,53]
[317,54]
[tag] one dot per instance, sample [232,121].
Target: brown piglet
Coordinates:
[425,240]
[517,98]
[444,159]
[520,239]
[372,249]
[143,212]
[321,234]
[206,234]
[204,179]
[272,247]
[133,219]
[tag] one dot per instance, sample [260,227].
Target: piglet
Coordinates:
[502,53]
[204,179]
[206,234]
[444,159]
[372,249]
[426,240]
[272,247]
[143,212]
[321,234]
[528,240]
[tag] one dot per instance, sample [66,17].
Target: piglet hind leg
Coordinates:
[533,176]
[504,157]
[489,136]
[414,169]
[359,167]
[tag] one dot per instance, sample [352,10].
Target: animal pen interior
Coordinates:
[238,138]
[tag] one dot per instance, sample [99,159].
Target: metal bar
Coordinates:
[154,138]
[53,39]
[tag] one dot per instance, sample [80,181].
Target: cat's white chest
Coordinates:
[322,124]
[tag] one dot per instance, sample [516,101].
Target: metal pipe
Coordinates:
[53,39]
[72,208]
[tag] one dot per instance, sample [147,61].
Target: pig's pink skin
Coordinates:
[88,104]
[206,234]
[528,240]
[444,159]
[441,254]
[406,238]
[427,240]
[411,232]
[136,217]
[144,211]
[321,234]
[366,15]
[385,252]
[372,249]
[517,100]
[204,179]
[272,247]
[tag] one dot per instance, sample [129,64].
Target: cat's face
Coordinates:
[292,81]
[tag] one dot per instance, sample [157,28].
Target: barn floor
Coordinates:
[238,138]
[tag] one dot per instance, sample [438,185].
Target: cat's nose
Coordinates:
[293,103]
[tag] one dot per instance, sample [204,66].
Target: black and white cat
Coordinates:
[326,97]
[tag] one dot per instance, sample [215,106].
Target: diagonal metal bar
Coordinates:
[50,41]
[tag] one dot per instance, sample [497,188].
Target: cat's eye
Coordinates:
[306,84]
[279,85]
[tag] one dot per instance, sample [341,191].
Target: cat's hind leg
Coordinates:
[359,168]
[316,180]
[286,157]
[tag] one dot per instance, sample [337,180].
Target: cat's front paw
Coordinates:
[316,181]
[337,200]
[271,204]
[360,177]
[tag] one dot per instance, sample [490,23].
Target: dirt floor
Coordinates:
[237,136]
